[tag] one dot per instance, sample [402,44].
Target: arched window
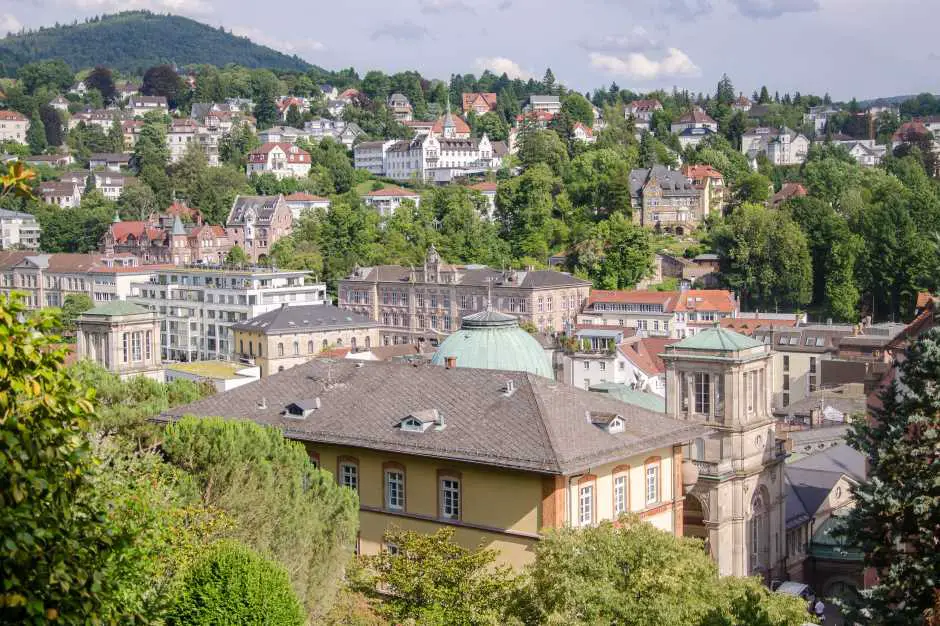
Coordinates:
[280,349]
[259,349]
[352,344]
[326,344]
[310,347]
[368,343]
[296,348]
[339,343]
[759,532]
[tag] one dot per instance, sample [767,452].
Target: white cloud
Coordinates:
[501,65]
[288,46]
[444,6]
[769,9]
[401,31]
[9,24]
[639,66]
[636,40]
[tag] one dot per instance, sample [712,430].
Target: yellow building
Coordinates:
[291,335]
[498,455]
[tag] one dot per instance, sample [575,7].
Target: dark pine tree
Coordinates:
[896,519]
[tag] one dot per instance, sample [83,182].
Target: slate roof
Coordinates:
[7,214]
[476,276]
[296,319]
[541,426]
[673,183]
[264,208]
[642,399]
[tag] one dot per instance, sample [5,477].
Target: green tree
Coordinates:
[754,188]
[151,156]
[635,574]
[232,584]
[101,79]
[376,85]
[310,522]
[435,581]
[578,108]
[74,305]
[136,202]
[36,135]
[235,146]
[295,118]
[493,126]
[618,256]
[162,80]
[70,552]
[52,124]
[265,109]
[54,75]
[543,146]
[764,257]
[524,212]
[236,256]
[599,180]
[897,510]
[724,94]
[548,81]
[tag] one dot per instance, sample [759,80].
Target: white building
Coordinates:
[282,134]
[865,151]
[818,116]
[634,361]
[583,133]
[18,230]
[642,112]
[112,185]
[66,195]
[102,118]
[488,190]
[782,147]
[694,136]
[388,200]
[344,132]
[370,156]
[696,118]
[198,306]
[549,104]
[141,105]
[281,159]
[300,201]
[13,126]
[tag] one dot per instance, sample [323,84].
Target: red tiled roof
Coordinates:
[335,353]
[789,190]
[484,186]
[12,116]
[587,130]
[697,116]
[302,155]
[459,125]
[182,209]
[696,172]
[645,105]
[213,229]
[471,99]
[301,196]
[391,192]
[536,116]
[633,296]
[720,300]
[915,126]
[644,353]
[748,326]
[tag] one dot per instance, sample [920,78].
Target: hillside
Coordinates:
[135,40]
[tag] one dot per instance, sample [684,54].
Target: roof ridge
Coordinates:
[541,410]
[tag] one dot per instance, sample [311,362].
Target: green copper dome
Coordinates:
[493,341]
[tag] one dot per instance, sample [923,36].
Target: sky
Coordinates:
[848,48]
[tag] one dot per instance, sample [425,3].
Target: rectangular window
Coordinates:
[349,475]
[812,365]
[587,365]
[394,490]
[786,363]
[702,393]
[450,498]
[603,366]
[586,505]
[135,347]
[652,484]
[126,347]
[620,495]
[147,346]
[786,382]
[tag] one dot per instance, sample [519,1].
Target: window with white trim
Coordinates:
[349,475]
[620,494]
[394,490]
[652,484]
[450,498]
[586,505]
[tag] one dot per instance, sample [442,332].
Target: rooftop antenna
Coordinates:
[489,293]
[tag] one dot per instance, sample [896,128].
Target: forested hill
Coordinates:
[135,40]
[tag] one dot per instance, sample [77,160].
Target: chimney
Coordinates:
[510,386]
[450,362]
[262,404]
[316,402]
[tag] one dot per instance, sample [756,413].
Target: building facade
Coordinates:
[256,223]
[123,338]
[281,159]
[165,239]
[291,335]
[18,231]
[432,447]
[425,304]
[665,199]
[13,126]
[722,378]
[675,314]
[198,306]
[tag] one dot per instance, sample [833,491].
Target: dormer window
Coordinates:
[301,409]
[420,421]
[612,423]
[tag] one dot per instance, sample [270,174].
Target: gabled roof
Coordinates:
[787,191]
[697,172]
[540,427]
[485,187]
[696,116]
[302,196]
[295,154]
[263,208]
[645,105]
[460,126]
[644,353]
[12,116]
[392,192]
[472,99]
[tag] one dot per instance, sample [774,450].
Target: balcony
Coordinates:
[713,469]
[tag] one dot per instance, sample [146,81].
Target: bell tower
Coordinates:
[721,379]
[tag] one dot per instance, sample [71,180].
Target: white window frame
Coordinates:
[652,483]
[394,490]
[450,497]
[586,505]
[349,475]
[620,494]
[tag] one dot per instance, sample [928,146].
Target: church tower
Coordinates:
[450,126]
[721,378]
